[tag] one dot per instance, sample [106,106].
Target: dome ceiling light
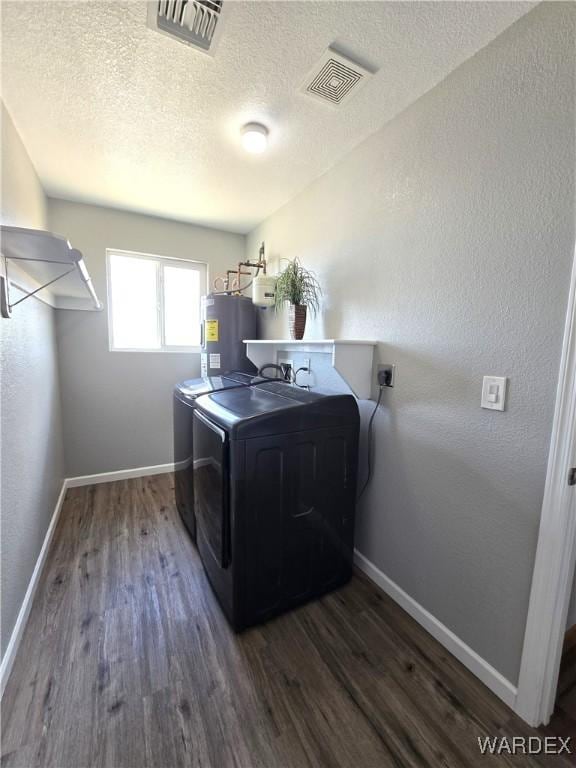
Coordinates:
[255,138]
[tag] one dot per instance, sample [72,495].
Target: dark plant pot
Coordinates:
[297,320]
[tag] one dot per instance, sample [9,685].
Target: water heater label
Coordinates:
[215,360]
[212,331]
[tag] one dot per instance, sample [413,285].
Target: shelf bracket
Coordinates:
[5,306]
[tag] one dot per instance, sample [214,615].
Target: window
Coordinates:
[154,302]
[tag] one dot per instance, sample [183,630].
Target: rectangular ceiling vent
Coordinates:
[195,22]
[335,79]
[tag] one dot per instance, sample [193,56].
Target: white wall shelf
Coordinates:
[45,265]
[351,359]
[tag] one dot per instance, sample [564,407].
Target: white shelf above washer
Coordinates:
[351,359]
[42,264]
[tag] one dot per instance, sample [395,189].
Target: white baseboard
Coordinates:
[18,631]
[121,474]
[497,683]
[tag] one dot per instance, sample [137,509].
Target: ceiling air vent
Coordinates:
[335,79]
[195,22]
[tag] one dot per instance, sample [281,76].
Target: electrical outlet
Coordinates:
[304,378]
[386,375]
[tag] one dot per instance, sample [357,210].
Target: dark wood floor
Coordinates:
[563,722]
[128,661]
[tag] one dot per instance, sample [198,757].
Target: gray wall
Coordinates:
[117,406]
[448,236]
[31,437]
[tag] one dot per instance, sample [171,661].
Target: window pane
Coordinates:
[134,285]
[181,307]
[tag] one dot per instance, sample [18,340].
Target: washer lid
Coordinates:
[256,411]
[193,388]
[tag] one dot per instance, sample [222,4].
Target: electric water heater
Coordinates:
[226,321]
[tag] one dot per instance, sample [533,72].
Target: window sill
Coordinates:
[175,351]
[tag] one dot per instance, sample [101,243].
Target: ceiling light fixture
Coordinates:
[254,138]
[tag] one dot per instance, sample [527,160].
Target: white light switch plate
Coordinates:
[494,392]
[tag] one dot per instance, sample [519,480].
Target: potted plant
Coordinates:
[298,287]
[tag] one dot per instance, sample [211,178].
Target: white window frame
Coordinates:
[198,266]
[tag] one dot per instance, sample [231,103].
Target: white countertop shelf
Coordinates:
[352,359]
[45,264]
[308,341]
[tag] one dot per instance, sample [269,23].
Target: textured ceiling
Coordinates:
[114,113]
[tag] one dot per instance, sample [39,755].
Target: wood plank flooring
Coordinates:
[127,660]
[563,722]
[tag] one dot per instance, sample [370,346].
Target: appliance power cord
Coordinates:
[368,476]
[295,374]
[274,367]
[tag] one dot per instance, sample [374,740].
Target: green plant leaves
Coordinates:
[297,285]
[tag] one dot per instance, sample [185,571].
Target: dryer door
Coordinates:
[211,484]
